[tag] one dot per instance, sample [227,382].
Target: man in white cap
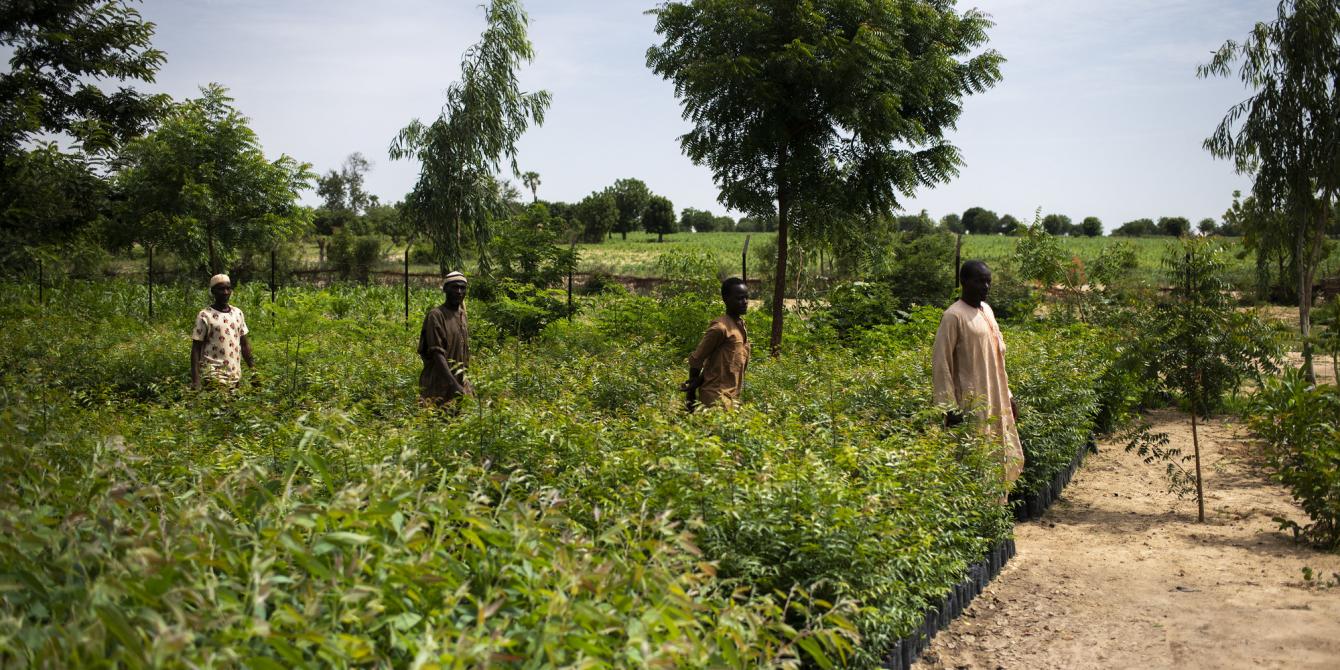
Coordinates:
[444,346]
[219,341]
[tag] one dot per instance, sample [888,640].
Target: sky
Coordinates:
[1099,111]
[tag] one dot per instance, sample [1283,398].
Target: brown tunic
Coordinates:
[723,355]
[969,369]
[444,332]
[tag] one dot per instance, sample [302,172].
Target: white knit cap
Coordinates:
[219,279]
[453,278]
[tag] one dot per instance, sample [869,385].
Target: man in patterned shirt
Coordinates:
[219,341]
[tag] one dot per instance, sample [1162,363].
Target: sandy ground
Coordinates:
[1119,574]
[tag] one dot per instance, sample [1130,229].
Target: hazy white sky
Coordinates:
[1099,112]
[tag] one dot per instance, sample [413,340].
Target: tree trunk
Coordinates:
[1195,443]
[213,254]
[779,281]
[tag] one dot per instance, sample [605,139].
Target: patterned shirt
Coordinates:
[221,332]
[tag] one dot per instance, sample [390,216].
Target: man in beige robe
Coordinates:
[969,367]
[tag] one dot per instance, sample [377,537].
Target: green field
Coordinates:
[637,255]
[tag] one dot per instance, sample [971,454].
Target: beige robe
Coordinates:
[969,370]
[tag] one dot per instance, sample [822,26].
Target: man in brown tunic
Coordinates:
[716,367]
[969,368]
[444,346]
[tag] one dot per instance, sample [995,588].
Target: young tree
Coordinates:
[1008,225]
[457,196]
[1198,346]
[1206,226]
[809,110]
[1286,134]
[659,217]
[201,184]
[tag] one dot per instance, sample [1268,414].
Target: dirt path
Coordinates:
[1119,574]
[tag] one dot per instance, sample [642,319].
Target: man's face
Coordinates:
[455,293]
[222,292]
[737,300]
[977,285]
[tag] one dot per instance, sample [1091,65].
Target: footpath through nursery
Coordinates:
[1118,573]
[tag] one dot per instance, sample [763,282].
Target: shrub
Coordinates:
[858,305]
[1297,422]
[354,256]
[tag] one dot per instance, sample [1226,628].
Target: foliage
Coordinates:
[859,305]
[1285,134]
[523,310]
[1039,257]
[569,512]
[52,206]
[52,201]
[1091,226]
[200,186]
[631,197]
[923,270]
[883,82]
[1198,346]
[1296,420]
[354,256]
[597,214]
[1137,228]
[342,190]
[457,197]
[980,221]
[1174,226]
[1056,224]
[527,249]
[659,217]
[1012,299]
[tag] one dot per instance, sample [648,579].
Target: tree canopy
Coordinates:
[201,185]
[659,217]
[1287,133]
[811,110]
[457,195]
[62,53]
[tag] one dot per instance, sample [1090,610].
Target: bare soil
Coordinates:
[1119,574]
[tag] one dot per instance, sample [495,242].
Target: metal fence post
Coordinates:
[151,281]
[406,287]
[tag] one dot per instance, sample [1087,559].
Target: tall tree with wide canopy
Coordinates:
[201,185]
[62,54]
[812,109]
[632,197]
[659,217]
[457,197]
[1287,134]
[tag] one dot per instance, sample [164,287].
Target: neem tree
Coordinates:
[811,110]
[1200,349]
[1288,133]
[457,195]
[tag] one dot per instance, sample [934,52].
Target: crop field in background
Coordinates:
[637,255]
